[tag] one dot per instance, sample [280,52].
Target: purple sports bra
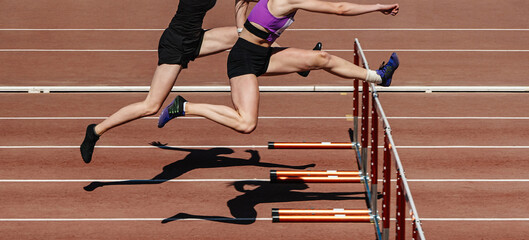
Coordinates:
[262,16]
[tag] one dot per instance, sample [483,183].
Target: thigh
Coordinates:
[245,96]
[289,60]
[217,40]
[162,82]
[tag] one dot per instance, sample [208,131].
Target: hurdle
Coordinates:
[364,137]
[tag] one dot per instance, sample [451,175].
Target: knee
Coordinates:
[319,59]
[150,108]
[246,126]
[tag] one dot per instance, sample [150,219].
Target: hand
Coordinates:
[392,9]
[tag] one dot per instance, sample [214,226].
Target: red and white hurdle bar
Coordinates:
[321,215]
[329,176]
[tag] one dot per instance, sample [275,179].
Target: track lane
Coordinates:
[185,229]
[301,104]
[140,14]
[333,39]
[141,164]
[419,15]
[137,68]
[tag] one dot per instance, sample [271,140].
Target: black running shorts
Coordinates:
[248,58]
[174,48]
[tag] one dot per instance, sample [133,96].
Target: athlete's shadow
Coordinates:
[242,207]
[197,158]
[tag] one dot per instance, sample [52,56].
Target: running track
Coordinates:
[465,154]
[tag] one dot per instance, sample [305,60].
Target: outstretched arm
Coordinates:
[343,8]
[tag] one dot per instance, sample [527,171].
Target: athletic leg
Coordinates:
[241,118]
[289,60]
[292,60]
[318,48]
[217,40]
[162,83]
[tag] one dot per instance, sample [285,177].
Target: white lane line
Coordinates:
[77,50]
[474,219]
[124,219]
[278,117]
[327,50]
[82,29]
[225,219]
[462,180]
[92,118]
[260,146]
[121,180]
[143,146]
[462,118]
[408,29]
[227,180]
[290,29]
[443,50]
[462,147]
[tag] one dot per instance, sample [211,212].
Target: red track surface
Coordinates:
[493,202]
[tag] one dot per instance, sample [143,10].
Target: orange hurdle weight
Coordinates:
[309,218]
[329,176]
[320,215]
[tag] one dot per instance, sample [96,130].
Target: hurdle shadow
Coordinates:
[242,207]
[196,159]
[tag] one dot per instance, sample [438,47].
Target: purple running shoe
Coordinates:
[175,109]
[386,70]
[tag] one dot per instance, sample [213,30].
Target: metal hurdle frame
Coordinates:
[403,193]
[369,178]
[361,146]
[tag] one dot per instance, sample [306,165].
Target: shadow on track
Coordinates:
[242,207]
[197,158]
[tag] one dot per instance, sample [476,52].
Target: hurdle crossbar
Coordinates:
[322,179]
[310,145]
[314,173]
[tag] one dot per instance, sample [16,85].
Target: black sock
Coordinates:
[90,139]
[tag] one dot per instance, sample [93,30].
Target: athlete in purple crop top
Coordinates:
[262,16]
[253,55]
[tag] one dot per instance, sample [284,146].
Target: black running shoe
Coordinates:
[90,139]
